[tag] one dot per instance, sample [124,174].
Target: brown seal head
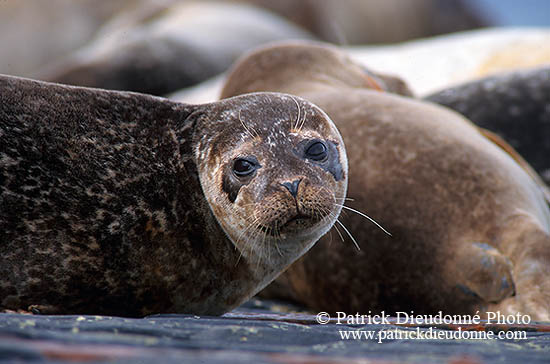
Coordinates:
[127,204]
[325,66]
[276,181]
[470,226]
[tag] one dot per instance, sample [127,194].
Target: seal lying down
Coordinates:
[470,224]
[126,204]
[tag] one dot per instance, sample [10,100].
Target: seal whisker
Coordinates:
[336,199]
[331,214]
[247,229]
[262,251]
[259,236]
[303,122]
[367,217]
[277,239]
[317,213]
[278,249]
[267,250]
[239,258]
[295,127]
[339,233]
[351,236]
[245,127]
[256,231]
[253,226]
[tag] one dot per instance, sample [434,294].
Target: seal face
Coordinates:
[277,177]
[126,204]
[470,226]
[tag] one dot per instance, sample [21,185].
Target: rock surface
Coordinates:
[258,332]
[432,64]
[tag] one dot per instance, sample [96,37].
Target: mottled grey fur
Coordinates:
[515,105]
[101,207]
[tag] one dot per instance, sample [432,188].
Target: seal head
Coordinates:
[298,67]
[275,180]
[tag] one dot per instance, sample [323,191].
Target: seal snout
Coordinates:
[292,187]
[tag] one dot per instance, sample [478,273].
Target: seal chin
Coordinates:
[299,222]
[304,222]
[299,226]
[294,224]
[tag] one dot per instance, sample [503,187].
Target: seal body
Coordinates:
[470,227]
[163,48]
[111,202]
[515,105]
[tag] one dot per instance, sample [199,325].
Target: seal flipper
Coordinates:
[45,310]
[485,273]
[531,262]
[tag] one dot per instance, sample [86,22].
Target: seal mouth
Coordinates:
[296,223]
[297,220]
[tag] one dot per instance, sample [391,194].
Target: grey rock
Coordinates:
[254,333]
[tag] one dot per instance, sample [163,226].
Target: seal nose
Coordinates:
[292,187]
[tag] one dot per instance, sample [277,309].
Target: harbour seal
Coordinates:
[171,47]
[368,22]
[470,227]
[127,204]
[514,105]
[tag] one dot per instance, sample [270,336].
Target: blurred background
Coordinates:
[513,12]
[161,46]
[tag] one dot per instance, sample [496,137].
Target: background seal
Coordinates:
[514,105]
[471,227]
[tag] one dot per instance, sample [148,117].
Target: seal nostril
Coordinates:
[292,187]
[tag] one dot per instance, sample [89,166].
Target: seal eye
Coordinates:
[317,151]
[243,167]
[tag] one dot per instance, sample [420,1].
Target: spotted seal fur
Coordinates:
[126,204]
[470,226]
[514,105]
